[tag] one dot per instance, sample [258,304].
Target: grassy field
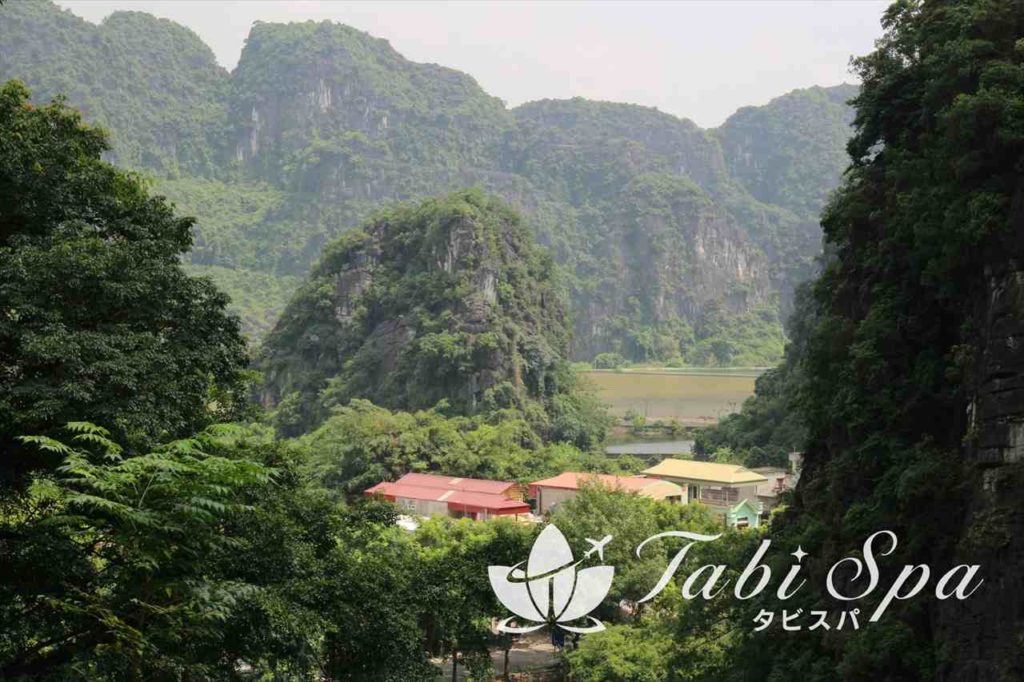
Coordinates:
[700,396]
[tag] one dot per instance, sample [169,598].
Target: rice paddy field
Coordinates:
[692,396]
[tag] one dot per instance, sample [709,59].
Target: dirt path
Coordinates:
[533,652]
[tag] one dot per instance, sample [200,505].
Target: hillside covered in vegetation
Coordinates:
[902,385]
[447,300]
[677,241]
[142,539]
[156,524]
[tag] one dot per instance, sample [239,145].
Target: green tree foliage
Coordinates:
[623,653]
[288,547]
[443,300]
[373,594]
[98,319]
[454,555]
[654,219]
[669,638]
[214,555]
[751,338]
[630,519]
[883,381]
[361,444]
[109,561]
[609,361]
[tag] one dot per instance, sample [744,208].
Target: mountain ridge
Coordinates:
[320,125]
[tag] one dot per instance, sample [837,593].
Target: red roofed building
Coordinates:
[552,491]
[428,494]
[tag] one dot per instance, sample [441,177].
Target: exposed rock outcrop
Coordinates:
[986,632]
[446,300]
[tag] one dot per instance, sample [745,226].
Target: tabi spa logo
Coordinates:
[551,587]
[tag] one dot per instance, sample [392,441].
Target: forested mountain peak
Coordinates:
[323,81]
[148,33]
[152,82]
[320,124]
[617,117]
[610,140]
[331,47]
[448,299]
[790,151]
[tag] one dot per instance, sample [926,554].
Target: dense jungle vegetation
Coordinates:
[902,379]
[139,538]
[156,523]
[446,300]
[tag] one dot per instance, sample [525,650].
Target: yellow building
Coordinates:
[720,486]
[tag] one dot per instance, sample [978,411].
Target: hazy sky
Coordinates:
[702,60]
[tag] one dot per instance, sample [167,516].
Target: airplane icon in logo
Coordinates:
[597,546]
[551,587]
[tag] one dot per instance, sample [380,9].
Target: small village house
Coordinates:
[553,491]
[746,514]
[722,487]
[475,498]
[777,481]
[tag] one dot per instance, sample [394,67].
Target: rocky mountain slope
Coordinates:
[445,300]
[674,238]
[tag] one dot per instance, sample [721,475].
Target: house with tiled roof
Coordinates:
[553,491]
[729,489]
[428,494]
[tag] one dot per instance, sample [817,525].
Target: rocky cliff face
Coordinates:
[668,253]
[655,242]
[446,300]
[986,632]
[335,92]
[789,156]
[791,151]
[320,124]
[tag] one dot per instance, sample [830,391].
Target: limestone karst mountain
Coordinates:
[680,244]
[445,300]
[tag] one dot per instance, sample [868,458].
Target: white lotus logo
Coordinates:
[550,589]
